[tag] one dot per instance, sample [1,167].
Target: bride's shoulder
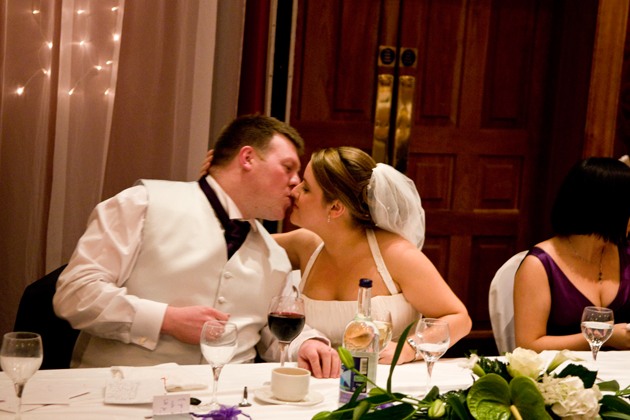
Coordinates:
[390,242]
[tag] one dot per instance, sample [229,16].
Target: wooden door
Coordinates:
[478,76]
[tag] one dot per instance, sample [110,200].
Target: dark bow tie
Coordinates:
[235,230]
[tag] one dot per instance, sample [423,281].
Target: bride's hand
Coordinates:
[206,163]
[407,355]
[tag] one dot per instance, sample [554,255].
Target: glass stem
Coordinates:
[19,388]
[595,350]
[283,350]
[429,371]
[216,371]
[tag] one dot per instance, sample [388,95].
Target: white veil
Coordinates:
[395,204]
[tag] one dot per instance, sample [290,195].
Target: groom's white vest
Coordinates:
[183,262]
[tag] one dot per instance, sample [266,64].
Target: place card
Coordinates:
[132,391]
[171,407]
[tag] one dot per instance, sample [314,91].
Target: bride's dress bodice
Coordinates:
[330,317]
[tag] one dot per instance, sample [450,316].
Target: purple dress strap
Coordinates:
[567,302]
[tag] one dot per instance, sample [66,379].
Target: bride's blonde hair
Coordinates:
[343,173]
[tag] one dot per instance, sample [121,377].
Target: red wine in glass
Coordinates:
[286,320]
[285,326]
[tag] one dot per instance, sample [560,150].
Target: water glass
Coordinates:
[218,345]
[597,327]
[382,318]
[432,340]
[21,356]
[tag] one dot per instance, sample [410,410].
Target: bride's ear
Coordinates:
[336,209]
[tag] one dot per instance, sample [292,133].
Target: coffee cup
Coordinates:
[290,383]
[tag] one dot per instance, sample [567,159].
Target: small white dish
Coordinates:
[264,394]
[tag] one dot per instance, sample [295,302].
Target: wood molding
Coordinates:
[603,97]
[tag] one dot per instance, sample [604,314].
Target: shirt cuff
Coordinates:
[147,323]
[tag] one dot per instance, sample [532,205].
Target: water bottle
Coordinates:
[361,339]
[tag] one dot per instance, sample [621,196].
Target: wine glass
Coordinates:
[382,318]
[218,345]
[597,327]
[432,340]
[20,357]
[286,320]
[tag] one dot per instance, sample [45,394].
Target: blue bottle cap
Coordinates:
[365,283]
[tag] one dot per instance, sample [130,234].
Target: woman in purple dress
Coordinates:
[587,263]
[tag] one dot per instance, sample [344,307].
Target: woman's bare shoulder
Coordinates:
[394,246]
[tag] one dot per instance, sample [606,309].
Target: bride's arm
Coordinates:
[424,288]
[299,245]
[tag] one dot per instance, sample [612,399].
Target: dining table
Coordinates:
[408,378]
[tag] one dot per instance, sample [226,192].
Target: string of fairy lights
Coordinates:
[83,14]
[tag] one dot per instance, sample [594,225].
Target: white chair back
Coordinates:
[501,303]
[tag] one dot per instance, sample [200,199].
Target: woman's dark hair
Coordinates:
[594,199]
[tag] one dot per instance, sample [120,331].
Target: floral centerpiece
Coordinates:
[524,388]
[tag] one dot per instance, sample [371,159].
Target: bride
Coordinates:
[363,220]
[345,239]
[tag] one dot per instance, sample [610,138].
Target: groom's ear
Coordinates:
[246,157]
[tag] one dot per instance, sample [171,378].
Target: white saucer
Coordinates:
[264,394]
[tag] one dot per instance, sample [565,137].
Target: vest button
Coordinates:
[222,299]
[228,275]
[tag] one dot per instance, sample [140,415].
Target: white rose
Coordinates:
[524,362]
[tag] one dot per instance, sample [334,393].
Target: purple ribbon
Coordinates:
[224,413]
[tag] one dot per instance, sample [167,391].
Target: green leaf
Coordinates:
[346,358]
[355,396]
[612,386]
[457,403]
[527,399]
[360,409]
[377,391]
[322,415]
[399,412]
[615,403]
[431,395]
[587,376]
[494,366]
[399,347]
[614,415]
[489,398]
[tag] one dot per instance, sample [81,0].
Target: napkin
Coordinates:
[175,377]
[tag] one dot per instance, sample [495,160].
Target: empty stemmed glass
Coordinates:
[218,345]
[432,340]
[20,357]
[597,327]
[382,318]
[286,320]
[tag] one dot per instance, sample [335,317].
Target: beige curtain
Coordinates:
[94,94]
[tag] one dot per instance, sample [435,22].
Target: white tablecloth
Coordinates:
[411,379]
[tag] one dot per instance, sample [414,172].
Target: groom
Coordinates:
[161,258]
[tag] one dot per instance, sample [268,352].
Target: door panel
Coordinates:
[475,126]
